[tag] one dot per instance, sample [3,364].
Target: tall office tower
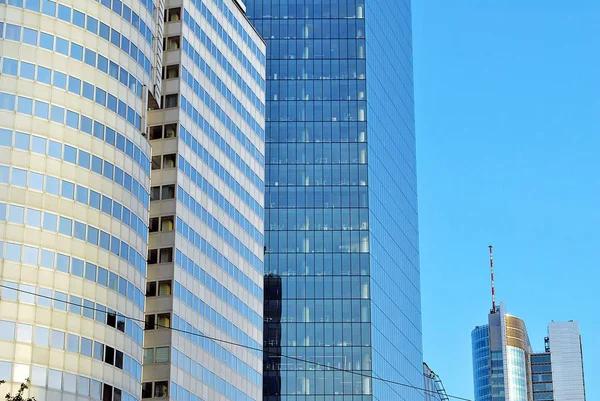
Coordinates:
[558,374]
[342,264]
[501,359]
[74,194]
[205,258]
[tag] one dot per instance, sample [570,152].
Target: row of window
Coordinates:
[325,197]
[196,304]
[238,217]
[78,157]
[157,321]
[73,85]
[329,290]
[121,9]
[317,111]
[76,229]
[56,339]
[166,131]
[42,376]
[212,48]
[131,16]
[46,297]
[214,194]
[162,224]
[220,142]
[161,389]
[156,355]
[318,311]
[75,51]
[164,161]
[97,165]
[232,45]
[317,153]
[92,25]
[317,219]
[317,175]
[315,69]
[313,264]
[203,245]
[47,259]
[312,29]
[307,132]
[317,90]
[205,375]
[217,83]
[237,26]
[68,190]
[227,94]
[162,193]
[215,349]
[227,236]
[350,9]
[317,242]
[319,49]
[213,285]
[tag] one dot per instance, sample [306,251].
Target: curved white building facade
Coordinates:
[74,194]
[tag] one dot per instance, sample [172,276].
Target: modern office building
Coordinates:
[74,194]
[89,109]
[558,372]
[341,235]
[501,358]
[505,368]
[205,257]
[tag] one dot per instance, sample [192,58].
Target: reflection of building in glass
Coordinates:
[505,369]
[341,208]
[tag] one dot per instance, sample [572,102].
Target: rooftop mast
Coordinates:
[492,278]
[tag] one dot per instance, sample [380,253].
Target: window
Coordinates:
[109,355]
[169,160]
[151,289]
[167,223]
[168,192]
[162,354]
[44,75]
[72,343]
[172,43]
[161,389]
[155,132]
[166,255]
[148,355]
[147,390]
[172,71]
[41,336]
[174,15]
[154,193]
[27,70]
[24,333]
[170,131]
[156,162]
[150,322]
[98,351]
[153,225]
[171,101]
[58,339]
[164,288]
[152,256]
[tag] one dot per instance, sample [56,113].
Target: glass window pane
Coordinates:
[58,339]
[41,336]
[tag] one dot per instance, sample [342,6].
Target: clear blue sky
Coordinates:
[508,140]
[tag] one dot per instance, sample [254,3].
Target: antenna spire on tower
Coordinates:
[492,278]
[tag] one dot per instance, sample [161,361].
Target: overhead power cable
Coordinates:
[358,373]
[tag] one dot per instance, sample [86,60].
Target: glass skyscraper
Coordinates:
[341,236]
[74,194]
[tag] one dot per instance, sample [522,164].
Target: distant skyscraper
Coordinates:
[341,233]
[505,369]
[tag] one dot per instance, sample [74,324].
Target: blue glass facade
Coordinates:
[341,237]
[480,341]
